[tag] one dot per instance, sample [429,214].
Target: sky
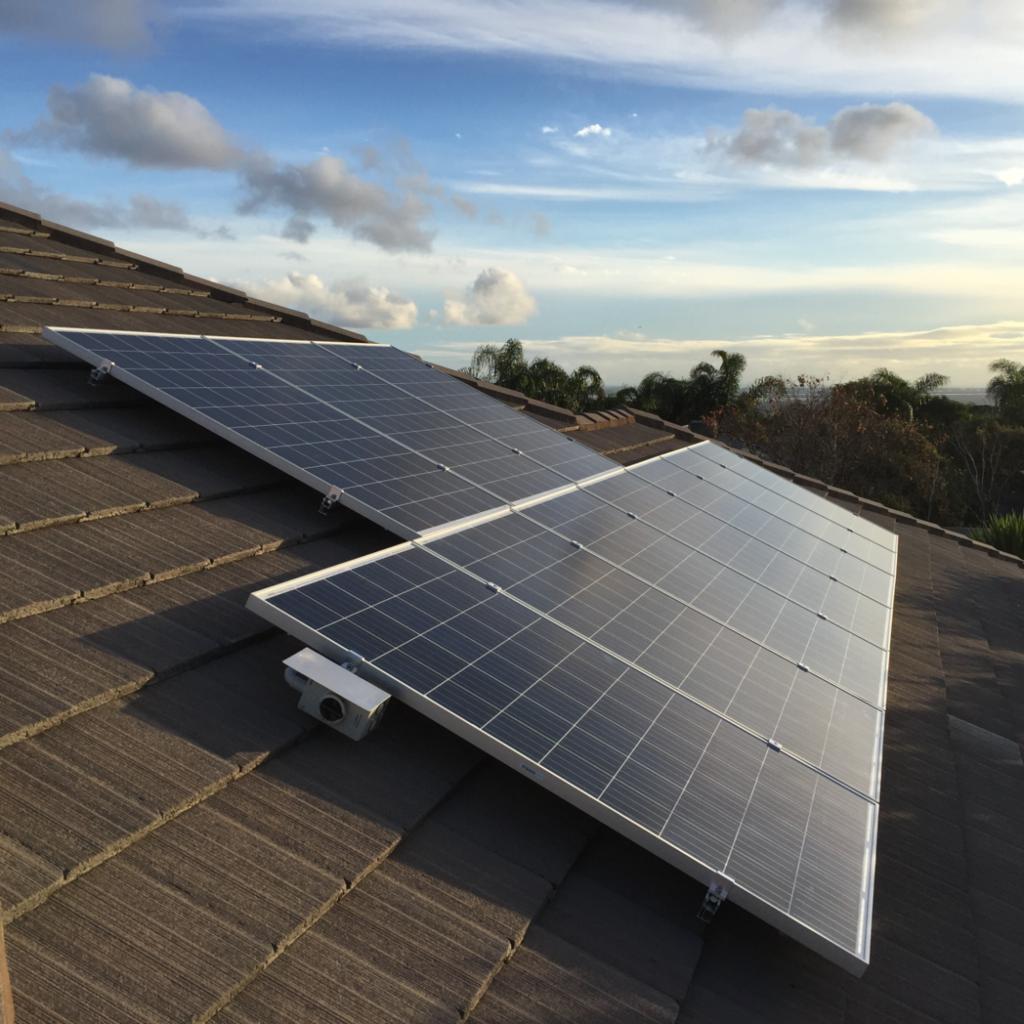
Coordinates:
[826,186]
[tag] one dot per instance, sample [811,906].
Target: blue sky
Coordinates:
[825,185]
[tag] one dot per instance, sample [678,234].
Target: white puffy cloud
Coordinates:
[116,24]
[781,138]
[326,187]
[113,118]
[593,129]
[352,305]
[495,297]
[548,129]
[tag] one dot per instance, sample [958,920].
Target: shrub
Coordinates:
[1003,532]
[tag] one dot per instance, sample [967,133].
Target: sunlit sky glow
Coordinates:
[824,185]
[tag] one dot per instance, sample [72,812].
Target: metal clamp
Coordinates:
[98,374]
[330,499]
[713,900]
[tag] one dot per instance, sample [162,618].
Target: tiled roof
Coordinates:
[179,843]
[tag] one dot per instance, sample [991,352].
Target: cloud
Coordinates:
[350,305]
[540,225]
[961,351]
[793,47]
[548,129]
[139,211]
[115,24]
[495,297]
[884,17]
[781,138]
[112,118]
[726,18]
[465,206]
[872,132]
[326,187]
[593,129]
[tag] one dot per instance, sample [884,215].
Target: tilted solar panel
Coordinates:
[564,657]
[312,411]
[694,650]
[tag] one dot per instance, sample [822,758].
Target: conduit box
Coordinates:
[334,694]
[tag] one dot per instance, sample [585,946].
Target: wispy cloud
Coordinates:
[962,352]
[115,24]
[847,47]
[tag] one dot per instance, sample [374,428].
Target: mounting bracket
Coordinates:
[98,374]
[716,895]
[330,499]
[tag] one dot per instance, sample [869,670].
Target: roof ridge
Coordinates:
[133,260]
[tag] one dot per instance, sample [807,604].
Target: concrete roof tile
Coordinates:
[166,792]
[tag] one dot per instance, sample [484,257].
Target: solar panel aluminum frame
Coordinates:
[259,602]
[64,338]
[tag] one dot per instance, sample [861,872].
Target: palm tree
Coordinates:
[1007,389]
[892,394]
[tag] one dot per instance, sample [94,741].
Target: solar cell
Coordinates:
[521,651]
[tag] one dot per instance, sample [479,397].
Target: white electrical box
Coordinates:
[335,695]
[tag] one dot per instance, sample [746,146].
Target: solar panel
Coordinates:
[312,411]
[694,650]
[470,407]
[560,658]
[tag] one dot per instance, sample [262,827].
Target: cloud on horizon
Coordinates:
[963,352]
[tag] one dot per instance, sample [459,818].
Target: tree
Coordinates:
[1007,389]
[680,400]
[892,395]
[580,390]
[837,435]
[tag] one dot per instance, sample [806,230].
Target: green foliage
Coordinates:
[1003,532]
[580,390]
[707,389]
[1007,389]
[836,434]
[892,395]
[881,436]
